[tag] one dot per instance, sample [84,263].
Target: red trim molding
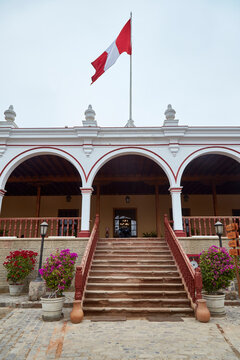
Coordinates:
[177,189]
[45,147]
[132,147]
[84,234]
[180,233]
[204,148]
[86,190]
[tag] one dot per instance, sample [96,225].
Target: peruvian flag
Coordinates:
[109,57]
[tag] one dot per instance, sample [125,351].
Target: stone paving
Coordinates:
[22,301]
[23,335]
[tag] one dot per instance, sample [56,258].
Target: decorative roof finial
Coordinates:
[90,113]
[90,117]
[170,117]
[170,113]
[10,114]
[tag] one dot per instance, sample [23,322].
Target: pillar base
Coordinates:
[180,233]
[84,233]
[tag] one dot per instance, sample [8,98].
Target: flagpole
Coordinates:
[130,122]
[130,100]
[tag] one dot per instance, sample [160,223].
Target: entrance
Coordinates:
[125,224]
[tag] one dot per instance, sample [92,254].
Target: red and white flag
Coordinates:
[109,57]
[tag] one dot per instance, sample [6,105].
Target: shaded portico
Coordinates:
[133,185]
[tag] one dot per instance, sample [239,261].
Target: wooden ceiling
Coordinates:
[208,171]
[55,175]
[129,174]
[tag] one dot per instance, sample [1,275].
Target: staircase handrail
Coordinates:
[192,278]
[82,271]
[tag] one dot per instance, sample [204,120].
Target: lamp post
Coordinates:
[43,231]
[219,231]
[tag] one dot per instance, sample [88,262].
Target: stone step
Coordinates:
[133,267]
[172,271]
[132,243]
[143,262]
[131,294]
[132,239]
[125,286]
[131,257]
[143,303]
[136,312]
[135,280]
[106,247]
[132,280]
[135,252]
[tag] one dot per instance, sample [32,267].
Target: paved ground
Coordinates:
[23,335]
[22,301]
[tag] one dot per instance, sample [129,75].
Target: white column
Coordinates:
[2,193]
[85,215]
[177,210]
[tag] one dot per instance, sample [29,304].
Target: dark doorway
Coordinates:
[125,223]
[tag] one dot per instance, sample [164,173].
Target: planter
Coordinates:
[15,289]
[215,303]
[52,308]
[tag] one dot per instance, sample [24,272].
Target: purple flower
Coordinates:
[41,271]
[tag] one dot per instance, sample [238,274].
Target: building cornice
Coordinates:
[110,135]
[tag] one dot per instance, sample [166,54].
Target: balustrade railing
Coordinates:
[83,270]
[204,225]
[192,278]
[30,227]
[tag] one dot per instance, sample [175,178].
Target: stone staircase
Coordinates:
[134,277]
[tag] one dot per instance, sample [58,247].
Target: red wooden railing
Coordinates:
[204,225]
[192,278]
[83,270]
[30,227]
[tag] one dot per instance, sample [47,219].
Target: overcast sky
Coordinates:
[185,53]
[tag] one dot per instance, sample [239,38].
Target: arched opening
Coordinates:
[131,195]
[211,187]
[43,186]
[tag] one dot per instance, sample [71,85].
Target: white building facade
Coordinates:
[88,148]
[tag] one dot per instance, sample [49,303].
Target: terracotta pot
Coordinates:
[77,314]
[15,289]
[215,303]
[52,308]
[202,312]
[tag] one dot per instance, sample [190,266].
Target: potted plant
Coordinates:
[19,264]
[217,269]
[150,234]
[58,272]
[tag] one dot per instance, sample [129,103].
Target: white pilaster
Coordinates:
[86,207]
[2,193]
[177,210]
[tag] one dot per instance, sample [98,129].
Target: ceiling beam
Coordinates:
[218,179]
[44,179]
